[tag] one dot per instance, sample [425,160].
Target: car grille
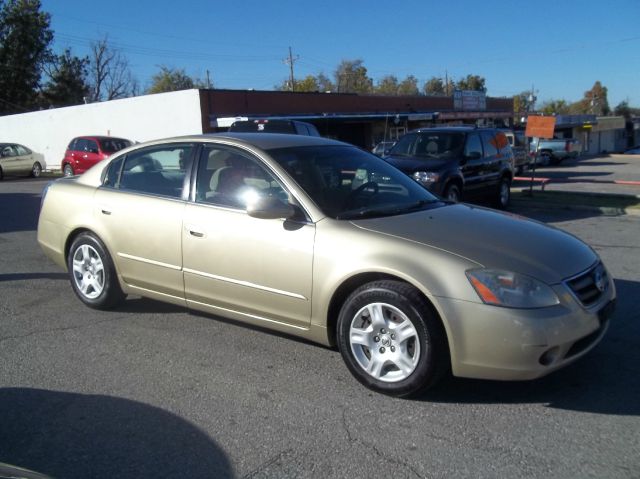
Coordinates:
[588,287]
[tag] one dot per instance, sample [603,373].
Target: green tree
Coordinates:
[67,83]
[170,79]
[409,86]
[351,77]
[307,84]
[555,107]
[435,86]
[387,85]
[25,37]
[472,82]
[324,83]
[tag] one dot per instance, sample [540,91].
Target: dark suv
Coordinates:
[292,127]
[457,162]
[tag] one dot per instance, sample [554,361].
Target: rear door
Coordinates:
[90,155]
[139,211]
[490,170]
[473,164]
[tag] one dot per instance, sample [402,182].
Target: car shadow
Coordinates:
[75,435]
[19,212]
[605,381]
[30,276]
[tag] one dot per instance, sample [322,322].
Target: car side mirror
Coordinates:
[270,208]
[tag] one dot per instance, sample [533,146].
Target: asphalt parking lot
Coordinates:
[152,390]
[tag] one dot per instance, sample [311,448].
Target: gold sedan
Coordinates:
[319,239]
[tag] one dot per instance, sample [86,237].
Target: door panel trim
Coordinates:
[246,283]
[239,314]
[149,261]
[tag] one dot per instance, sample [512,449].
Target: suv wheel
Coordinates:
[504,193]
[452,193]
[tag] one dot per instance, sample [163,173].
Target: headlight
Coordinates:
[511,290]
[426,177]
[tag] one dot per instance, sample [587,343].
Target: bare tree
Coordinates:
[109,73]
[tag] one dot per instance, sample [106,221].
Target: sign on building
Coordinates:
[469,100]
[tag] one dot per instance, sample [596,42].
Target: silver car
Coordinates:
[319,239]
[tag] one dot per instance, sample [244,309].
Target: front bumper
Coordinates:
[489,342]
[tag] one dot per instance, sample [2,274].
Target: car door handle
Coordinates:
[193,231]
[105,210]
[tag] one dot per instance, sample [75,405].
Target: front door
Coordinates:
[258,269]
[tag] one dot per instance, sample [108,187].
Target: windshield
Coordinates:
[346,182]
[436,144]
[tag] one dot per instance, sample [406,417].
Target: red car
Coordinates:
[85,151]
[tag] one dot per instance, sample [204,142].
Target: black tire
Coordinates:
[503,194]
[36,170]
[67,170]
[92,273]
[452,193]
[419,345]
[1,175]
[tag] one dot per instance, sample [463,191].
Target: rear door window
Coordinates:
[490,143]
[473,146]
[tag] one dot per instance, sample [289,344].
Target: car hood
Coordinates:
[492,239]
[411,164]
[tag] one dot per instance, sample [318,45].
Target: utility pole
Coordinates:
[208,81]
[290,61]
[446,83]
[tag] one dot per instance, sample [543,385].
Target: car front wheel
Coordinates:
[67,170]
[92,274]
[452,193]
[390,339]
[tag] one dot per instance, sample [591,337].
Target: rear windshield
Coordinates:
[266,126]
[111,145]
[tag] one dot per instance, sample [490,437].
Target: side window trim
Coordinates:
[253,157]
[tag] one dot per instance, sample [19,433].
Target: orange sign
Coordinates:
[540,126]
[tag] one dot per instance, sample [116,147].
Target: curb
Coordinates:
[603,203]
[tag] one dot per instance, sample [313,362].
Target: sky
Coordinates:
[557,48]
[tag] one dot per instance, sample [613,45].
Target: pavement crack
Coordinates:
[265,465]
[56,330]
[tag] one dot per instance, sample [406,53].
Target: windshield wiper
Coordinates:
[370,212]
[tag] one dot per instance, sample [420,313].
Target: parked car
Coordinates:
[322,240]
[457,162]
[274,126]
[633,151]
[17,159]
[85,151]
[553,151]
[518,143]
[382,148]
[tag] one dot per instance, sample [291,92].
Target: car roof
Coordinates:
[460,129]
[269,141]
[99,137]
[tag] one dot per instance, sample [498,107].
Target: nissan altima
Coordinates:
[319,239]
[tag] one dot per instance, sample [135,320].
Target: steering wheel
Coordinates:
[364,186]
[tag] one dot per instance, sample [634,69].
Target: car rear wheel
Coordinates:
[67,170]
[391,340]
[92,273]
[1,175]
[36,169]
[452,193]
